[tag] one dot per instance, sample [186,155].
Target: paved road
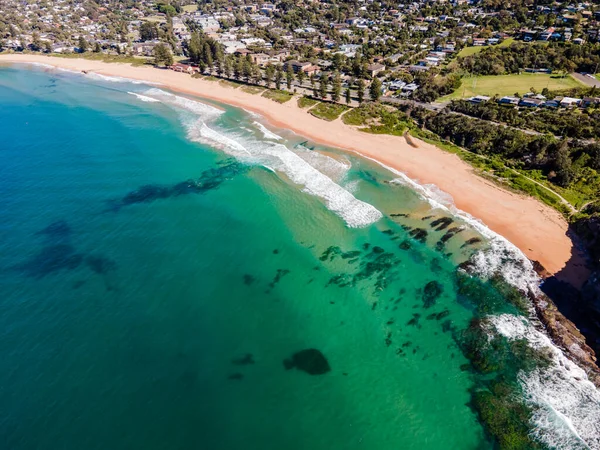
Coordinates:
[588,81]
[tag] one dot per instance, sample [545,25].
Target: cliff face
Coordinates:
[566,335]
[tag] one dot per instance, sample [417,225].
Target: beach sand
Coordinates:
[538,230]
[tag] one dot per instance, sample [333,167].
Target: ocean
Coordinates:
[177,274]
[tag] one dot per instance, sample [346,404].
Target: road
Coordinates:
[588,81]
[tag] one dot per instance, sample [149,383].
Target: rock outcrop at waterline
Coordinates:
[565,335]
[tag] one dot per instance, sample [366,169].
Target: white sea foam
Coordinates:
[204,110]
[44,65]
[115,79]
[279,158]
[268,134]
[566,403]
[334,168]
[144,98]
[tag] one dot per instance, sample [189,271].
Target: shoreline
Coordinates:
[539,231]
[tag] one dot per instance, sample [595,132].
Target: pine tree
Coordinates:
[269,72]
[162,55]
[337,87]
[348,97]
[300,76]
[278,78]
[289,76]
[323,86]
[375,89]
[360,87]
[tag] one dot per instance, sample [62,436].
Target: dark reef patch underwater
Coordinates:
[162,320]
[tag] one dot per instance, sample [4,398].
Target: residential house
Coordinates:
[375,69]
[509,101]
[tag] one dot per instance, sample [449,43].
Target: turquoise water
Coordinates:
[161,258]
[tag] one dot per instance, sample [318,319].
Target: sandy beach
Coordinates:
[538,230]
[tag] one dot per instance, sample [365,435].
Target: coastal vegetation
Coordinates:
[378,119]
[306,102]
[278,96]
[328,111]
[571,123]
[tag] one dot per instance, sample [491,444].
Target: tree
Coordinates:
[348,97]
[323,86]
[289,76]
[375,89]
[162,55]
[238,69]
[82,45]
[360,86]
[228,67]
[97,48]
[278,78]
[269,72]
[47,47]
[36,43]
[563,165]
[300,76]
[148,31]
[337,87]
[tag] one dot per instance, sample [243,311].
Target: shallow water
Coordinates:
[161,257]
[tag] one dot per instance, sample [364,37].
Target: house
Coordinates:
[297,66]
[178,67]
[509,101]
[531,102]
[396,85]
[262,59]
[375,69]
[479,99]
[590,101]
[570,102]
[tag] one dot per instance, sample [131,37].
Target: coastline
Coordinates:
[537,230]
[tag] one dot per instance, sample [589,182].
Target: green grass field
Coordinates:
[328,111]
[468,51]
[190,8]
[278,96]
[509,84]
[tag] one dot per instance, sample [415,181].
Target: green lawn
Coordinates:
[252,89]
[278,96]
[468,51]
[190,8]
[328,111]
[510,84]
[306,102]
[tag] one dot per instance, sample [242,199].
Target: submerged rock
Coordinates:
[431,292]
[245,360]
[311,361]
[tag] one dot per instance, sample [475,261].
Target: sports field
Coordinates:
[468,51]
[510,84]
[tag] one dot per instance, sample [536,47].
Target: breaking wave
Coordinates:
[268,134]
[144,98]
[274,156]
[566,403]
[115,79]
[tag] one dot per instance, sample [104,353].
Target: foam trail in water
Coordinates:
[281,159]
[268,134]
[115,79]
[204,110]
[144,98]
